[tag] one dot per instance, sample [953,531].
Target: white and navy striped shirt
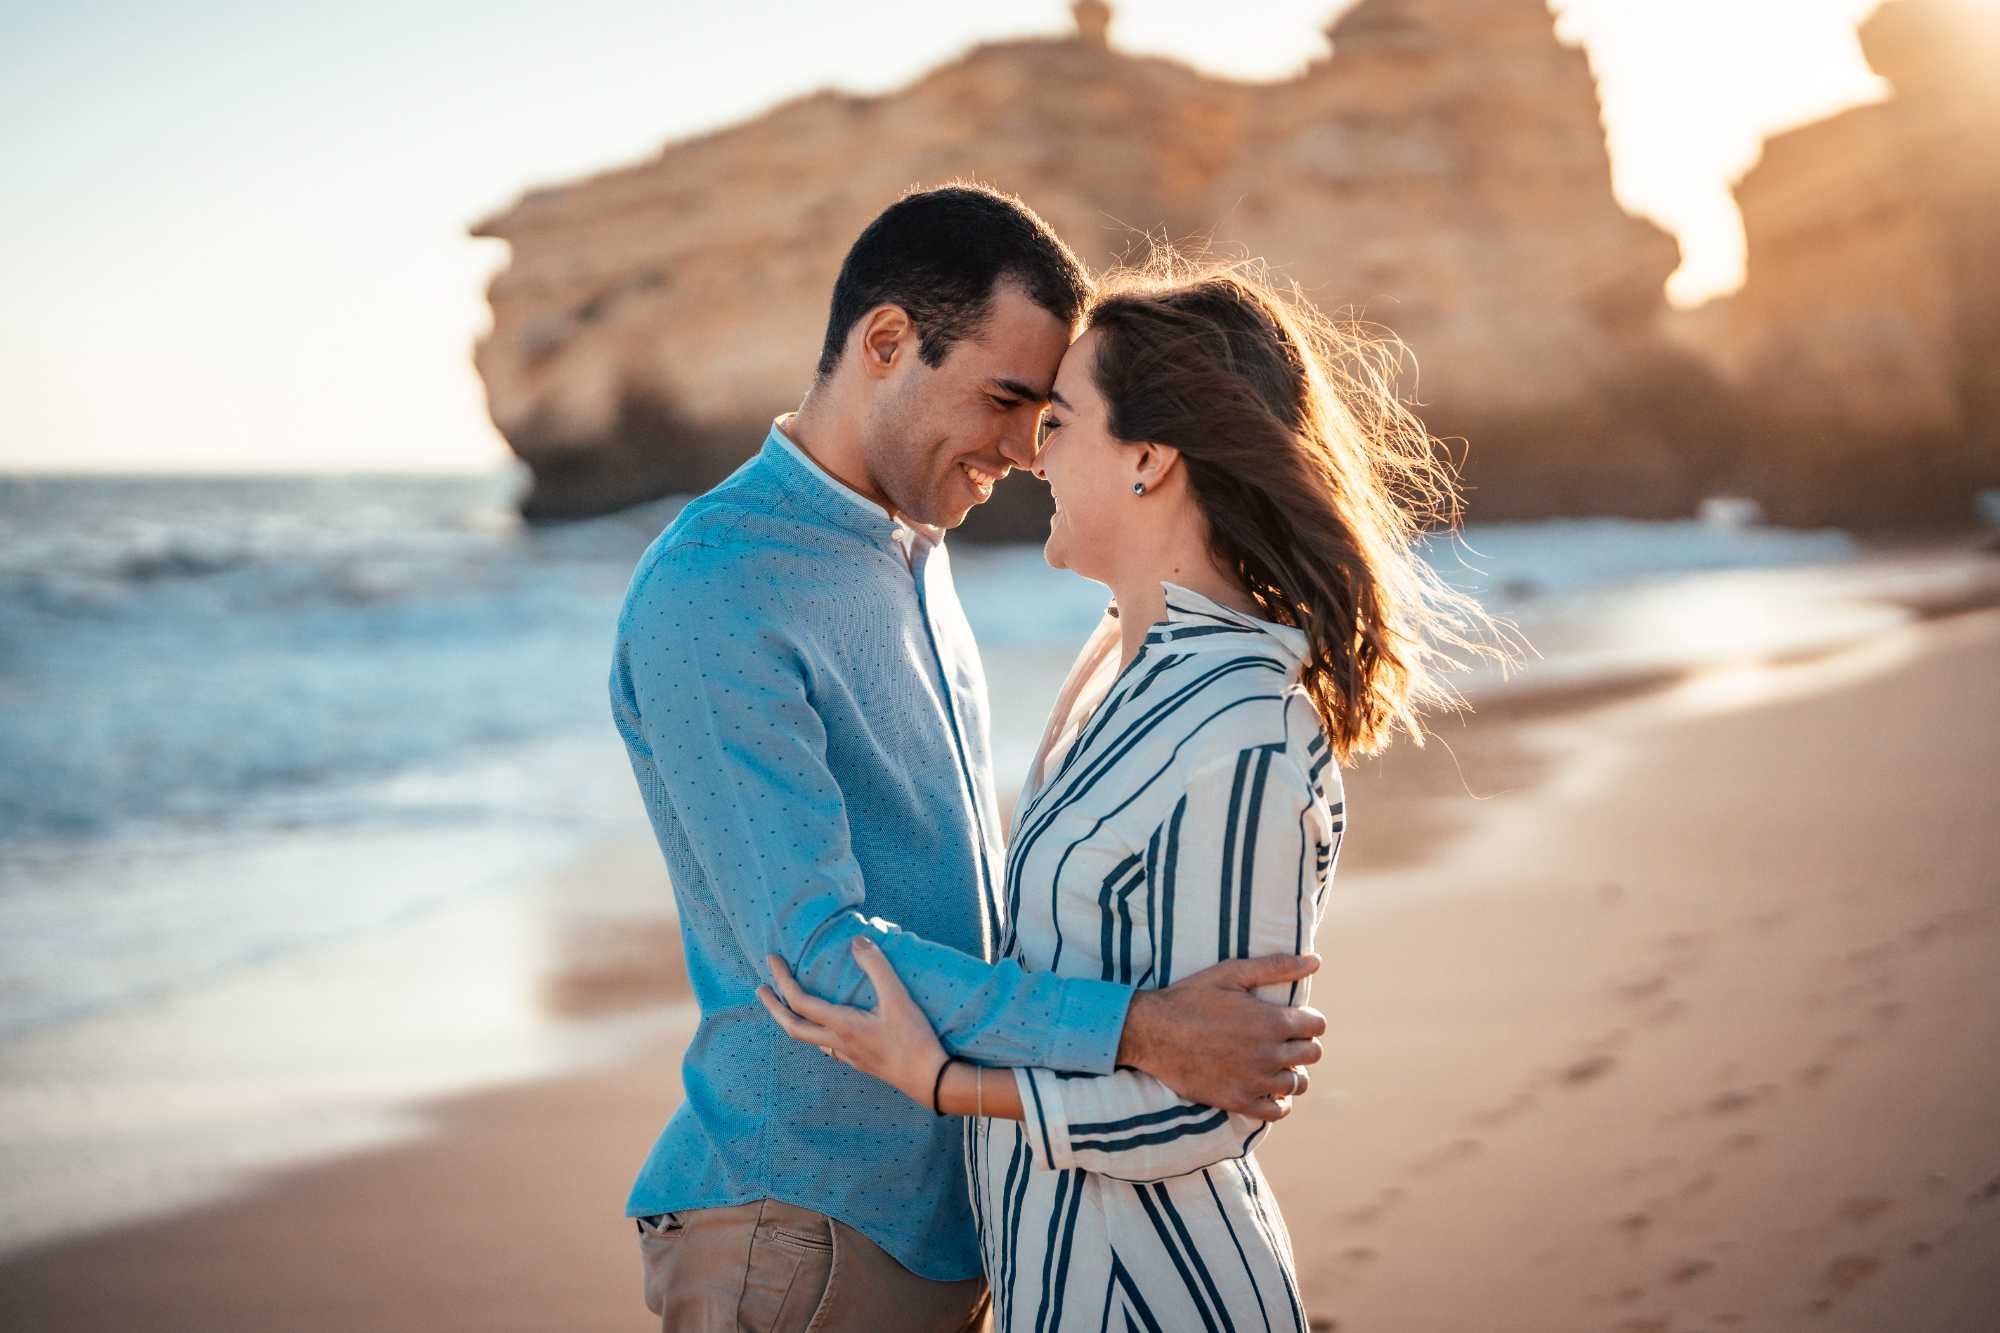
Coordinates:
[1195,816]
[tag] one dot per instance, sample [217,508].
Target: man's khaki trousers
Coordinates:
[771,1267]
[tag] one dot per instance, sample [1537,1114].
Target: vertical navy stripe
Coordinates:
[1108,894]
[1193,1250]
[1064,1180]
[1180,1265]
[1225,890]
[1248,1276]
[1278,1256]
[1248,876]
[1167,893]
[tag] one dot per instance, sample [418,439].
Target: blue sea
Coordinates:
[194,664]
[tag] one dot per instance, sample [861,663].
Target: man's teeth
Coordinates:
[981,478]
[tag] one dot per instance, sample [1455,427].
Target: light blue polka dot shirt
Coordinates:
[806,715]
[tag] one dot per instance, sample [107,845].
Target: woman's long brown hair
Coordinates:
[1317,482]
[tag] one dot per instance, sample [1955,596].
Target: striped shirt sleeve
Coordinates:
[1236,868]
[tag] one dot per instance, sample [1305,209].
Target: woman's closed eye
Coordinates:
[1049,426]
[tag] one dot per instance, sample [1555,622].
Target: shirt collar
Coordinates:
[1195,621]
[835,500]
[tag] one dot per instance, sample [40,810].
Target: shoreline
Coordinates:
[1610,1065]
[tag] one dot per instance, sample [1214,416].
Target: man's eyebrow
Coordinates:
[1020,390]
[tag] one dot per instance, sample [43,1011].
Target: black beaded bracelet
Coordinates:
[938,1086]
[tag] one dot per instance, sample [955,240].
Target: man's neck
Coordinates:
[837,451]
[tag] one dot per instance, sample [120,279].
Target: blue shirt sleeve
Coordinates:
[720,698]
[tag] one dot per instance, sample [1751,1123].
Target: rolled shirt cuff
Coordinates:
[1046,1122]
[1090,1026]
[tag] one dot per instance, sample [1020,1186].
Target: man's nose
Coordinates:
[1018,447]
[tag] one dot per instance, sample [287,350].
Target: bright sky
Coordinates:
[235,237]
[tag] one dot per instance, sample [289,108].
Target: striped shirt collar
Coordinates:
[840,503]
[1194,621]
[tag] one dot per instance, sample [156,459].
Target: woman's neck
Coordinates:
[1142,601]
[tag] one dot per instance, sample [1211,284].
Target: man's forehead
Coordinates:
[1020,343]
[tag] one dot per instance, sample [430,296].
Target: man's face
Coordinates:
[940,437]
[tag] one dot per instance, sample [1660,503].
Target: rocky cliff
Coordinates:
[1444,173]
[1862,346]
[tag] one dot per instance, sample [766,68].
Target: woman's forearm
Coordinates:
[973,1090]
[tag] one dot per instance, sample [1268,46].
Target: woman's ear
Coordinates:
[1156,463]
[885,332]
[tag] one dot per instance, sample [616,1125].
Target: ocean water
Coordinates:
[199,675]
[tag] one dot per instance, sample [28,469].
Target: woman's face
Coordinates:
[1089,473]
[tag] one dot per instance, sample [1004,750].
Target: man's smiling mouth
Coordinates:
[983,480]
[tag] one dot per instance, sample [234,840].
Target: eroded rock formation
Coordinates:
[1863,344]
[1444,173]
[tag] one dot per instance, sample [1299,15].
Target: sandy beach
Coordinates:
[1673,1006]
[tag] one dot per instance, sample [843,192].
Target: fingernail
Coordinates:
[863,942]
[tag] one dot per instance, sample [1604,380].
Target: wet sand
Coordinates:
[1670,1007]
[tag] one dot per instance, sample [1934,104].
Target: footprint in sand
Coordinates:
[1684,949]
[1870,955]
[1380,1207]
[1984,1195]
[1732,1100]
[1861,1208]
[1844,1274]
[1458,1150]
[1924,1245]
[1696,1187]
[1687,1270]
[1639,989]
[1741,1141]
[1764,923]
[1587,1070]
[1652,1166]
[1635,1224]
[1955,924]
[1495,1116]
[1666,1011]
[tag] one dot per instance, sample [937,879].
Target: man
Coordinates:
[806,716]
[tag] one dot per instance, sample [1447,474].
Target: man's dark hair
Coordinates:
[937,254]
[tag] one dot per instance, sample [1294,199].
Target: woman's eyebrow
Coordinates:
[1060,401]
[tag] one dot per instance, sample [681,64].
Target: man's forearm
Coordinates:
[1138,1040]
[997,1013]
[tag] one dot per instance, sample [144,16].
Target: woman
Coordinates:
[1241,476]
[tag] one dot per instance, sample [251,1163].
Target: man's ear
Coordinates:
[886,337]
[1155,463]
